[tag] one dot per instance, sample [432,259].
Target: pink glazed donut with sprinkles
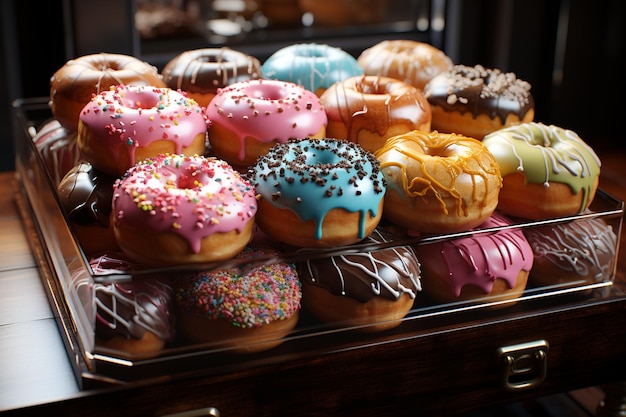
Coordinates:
[126,124]
[244,310]
[249,117]
[177,209]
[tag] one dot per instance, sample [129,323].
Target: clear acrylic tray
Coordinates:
[69,281]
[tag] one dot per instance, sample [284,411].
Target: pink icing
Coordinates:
[134,116]
[191,196]
[267,110]
[480,259]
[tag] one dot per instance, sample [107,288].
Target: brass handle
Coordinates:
[524,365]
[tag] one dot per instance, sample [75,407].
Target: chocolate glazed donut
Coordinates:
[86,194]
[375,289]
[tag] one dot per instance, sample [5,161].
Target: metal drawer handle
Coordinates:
[209,411]
[524,365]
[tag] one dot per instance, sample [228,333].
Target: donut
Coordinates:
[248,117]
[547,171]
[201,72]
[369,109]
[438,183]
[127,124]
[73,85]
[373,290]
[58,149]
[410,61]
[318,192]
[313,66]
[85,195]
[475,101]
[134,317]
[176,209]
[574,252]
[489,263]
[246,311]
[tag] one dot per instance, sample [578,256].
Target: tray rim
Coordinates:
[88,360]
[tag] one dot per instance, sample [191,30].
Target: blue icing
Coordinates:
[311,177]
[311,65]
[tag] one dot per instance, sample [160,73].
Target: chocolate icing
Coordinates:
[480,91]
[387,273]
[86,194]
[130,308]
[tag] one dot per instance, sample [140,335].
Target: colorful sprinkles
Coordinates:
[252,299]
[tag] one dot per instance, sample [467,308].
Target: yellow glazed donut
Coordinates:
[547,171]
[438,182]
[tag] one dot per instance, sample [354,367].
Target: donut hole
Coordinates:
[372,87]
[321,159]
[193,178]
[142,99]
[267,92]
[310,53]
[213,59]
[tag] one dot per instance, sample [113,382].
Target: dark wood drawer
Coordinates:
[438,371]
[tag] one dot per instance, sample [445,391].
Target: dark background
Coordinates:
[577,78]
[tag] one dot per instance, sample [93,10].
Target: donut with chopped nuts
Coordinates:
[318,192]
[248,117]
[475,101]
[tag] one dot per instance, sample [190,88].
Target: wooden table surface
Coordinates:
[34,366]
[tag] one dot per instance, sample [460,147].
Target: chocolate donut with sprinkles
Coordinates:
[318,192]
[475,101]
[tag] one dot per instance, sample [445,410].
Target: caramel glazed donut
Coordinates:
[73,85]
[438,182]
[370,109]
[413,62]
[475,101]
[201,72]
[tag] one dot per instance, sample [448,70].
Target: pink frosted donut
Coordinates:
[176,209]
[126,124]
[493,263]
[248,117]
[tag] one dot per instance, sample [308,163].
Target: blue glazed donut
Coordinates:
[318,192]
[313,66]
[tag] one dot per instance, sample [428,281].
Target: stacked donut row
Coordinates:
[315,149]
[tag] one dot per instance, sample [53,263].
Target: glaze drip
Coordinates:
[544,154]
[312,177]
[585,247]
[387,273]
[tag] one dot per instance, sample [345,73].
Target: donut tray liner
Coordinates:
[68,280]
